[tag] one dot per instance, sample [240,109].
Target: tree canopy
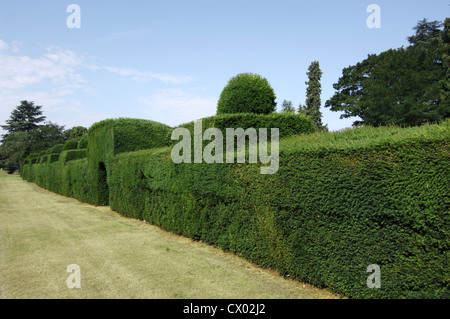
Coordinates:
[445,51]
[399,86]
[25,135]
[24,118]
[76,132]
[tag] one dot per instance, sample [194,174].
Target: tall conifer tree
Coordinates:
[313,91]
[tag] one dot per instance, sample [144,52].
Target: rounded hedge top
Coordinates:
[83,142]
[247,93]
[71,144]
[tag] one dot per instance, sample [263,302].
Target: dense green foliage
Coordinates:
[68,178]
[313,91]
[110,137]
[445,51]
[25,135]
[76,132]
[20,137]
[129,134]
[247,93]
[71,155]
[83,142]
[13,150]
[339,202]
[46,136]
[288,123]
[58,148]
[53,158]
[70,144]
[399,86]
[24,118]
[105,139]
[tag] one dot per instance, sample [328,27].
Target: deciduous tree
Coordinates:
[398,86]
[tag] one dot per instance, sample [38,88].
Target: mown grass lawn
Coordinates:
[41,233]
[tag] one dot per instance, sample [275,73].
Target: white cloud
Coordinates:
[3,46]
[175,106]
[48,79]
[55,79]
[12,46]
[57,65]
[62,67]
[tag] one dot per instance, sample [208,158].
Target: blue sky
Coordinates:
[168,61]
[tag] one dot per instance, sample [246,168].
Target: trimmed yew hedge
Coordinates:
[83,142]
[71,144]
[288,123]
[339,203]
[53,158]
[114,136]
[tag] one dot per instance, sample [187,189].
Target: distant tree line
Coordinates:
[27,131]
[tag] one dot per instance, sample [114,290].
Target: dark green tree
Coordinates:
[15,147]
[25,135]
[349,90]
[24,118]
[398,86]
[445,51]
[46,136]
[313,92]
[23,121]
[247,93]
[426,32]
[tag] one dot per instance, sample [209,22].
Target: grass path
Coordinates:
[41,233]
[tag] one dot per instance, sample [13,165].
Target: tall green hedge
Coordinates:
[114,136]
[338,204]
[105,139]
[83,142]
[71,155]
[68,178]
[288,123]
[53,158]
[57,148]
[70,144]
